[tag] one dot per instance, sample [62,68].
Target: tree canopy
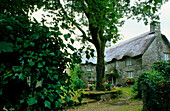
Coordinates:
[102,17]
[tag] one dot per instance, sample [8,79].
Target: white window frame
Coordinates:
[128,61]
[166,57]
[117,64]
[88,68]
[130,74]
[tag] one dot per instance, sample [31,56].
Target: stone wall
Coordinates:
[141,63]
[92,69]
[155,52]
[123,69]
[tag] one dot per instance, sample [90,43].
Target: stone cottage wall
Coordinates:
[92,67]
[155,52]
[123,70]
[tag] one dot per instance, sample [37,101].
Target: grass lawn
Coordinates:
[121,103]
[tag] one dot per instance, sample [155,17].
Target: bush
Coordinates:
[41,57]
[153,87]
[79,78]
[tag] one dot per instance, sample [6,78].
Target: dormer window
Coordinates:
[128,61]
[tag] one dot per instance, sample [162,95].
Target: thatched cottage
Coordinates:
[134,56]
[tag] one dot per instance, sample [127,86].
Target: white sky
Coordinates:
[132,28]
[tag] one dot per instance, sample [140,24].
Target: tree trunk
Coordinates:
[100,68]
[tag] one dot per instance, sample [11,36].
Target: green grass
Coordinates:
[128,91]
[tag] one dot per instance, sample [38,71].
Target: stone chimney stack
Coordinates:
[155,27]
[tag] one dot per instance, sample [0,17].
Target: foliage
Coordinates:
[129,80]
[158,82]
[112,70]
[107,85]
[90,86]
[103,18]
[41,57]
[78,80]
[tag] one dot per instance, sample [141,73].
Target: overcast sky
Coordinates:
[132,28]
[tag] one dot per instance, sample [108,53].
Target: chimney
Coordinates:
[155,27]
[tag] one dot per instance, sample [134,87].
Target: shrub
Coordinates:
[153,87]
[107,85]
[79,78]
[41,56]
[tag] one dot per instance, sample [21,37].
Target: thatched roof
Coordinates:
[132,47]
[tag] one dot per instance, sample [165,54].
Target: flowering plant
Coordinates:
[107,84]
[129,80]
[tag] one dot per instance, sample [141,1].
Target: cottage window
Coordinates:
[128,61]
[88,68]
[166,57]
[117,64]
[130,74]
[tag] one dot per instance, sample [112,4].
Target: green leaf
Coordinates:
[66,36]
[57,104]
[52,54]
[19,39]
[32,44]
[47,104]
[56,77]
[31,63]
[9,27]
[21,76]
[72,41]
[71,47]
[60,100]
[58,91]
[40,65]
[0,91]
[32,101]
[21,101]
[49,34]
[67,98]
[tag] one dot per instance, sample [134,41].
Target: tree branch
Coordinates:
[76,24]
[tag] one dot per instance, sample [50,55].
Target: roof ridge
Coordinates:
[129,40]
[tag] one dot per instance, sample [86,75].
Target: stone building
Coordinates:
[136,55]
[89,65]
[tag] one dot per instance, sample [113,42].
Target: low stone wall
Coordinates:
[101,95]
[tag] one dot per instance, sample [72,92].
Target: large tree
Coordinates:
[102,19]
